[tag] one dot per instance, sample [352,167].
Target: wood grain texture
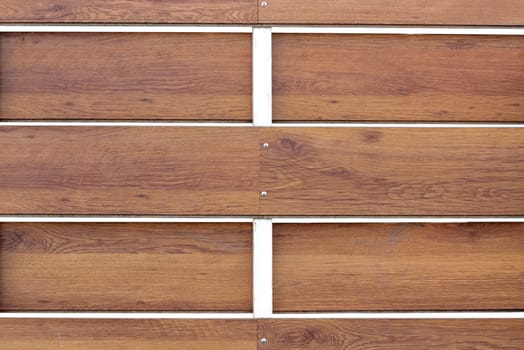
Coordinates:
[125,267]
[390,267]
[413,12]
[492,334]
[129,11]
[398,78]
[392,171]
[140,76]
[128,170]
[84,334]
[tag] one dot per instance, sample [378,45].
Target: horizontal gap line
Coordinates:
[128,315]
[276,220]
[223,315]
[399,30]
[129,219]
[365,220]
[312,29]
[283,125]
[398,125]
[403,315]
[126,124]
[125,28]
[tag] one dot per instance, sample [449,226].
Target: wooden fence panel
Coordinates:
[493,334]
[154,170]
[129,11]
[392,171]
[125,267]
[391,267]
[398,78]
[83,334]
[412,12]
[119,76]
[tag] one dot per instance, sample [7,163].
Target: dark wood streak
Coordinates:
[123,238]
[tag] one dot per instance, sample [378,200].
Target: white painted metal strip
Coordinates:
[18,28]
[126,124]
[262,268]
[398,125]
[127,315]
[267,123]
[276,29]
[262,77]
[276,220]
[219,315]
[398,30]
[127,219]
[394,220]
[403,315]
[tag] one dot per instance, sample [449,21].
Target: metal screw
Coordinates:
[265,145]
[263,341]
[263,194]
[263,4]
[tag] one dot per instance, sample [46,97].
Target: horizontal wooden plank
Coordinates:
[129,11]
[138,76]
[398,78]
[125,267]
[418,12]
[392,171]
[128,170]
[390,267]
[82,334]
[492,334]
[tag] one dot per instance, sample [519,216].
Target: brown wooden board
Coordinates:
[447,334]
[390,267]
[128,170]
[392,171]
[129,11]
[412,12]
[138,76]
[398,78]
[125,266]
[98,334]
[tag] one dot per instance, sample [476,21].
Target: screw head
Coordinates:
[263,194]
[263,4]
[263,341]
[265,145]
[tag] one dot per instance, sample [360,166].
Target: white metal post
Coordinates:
[263,268]
[262,77]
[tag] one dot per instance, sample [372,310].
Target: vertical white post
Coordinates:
[262,268]
[262,77]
